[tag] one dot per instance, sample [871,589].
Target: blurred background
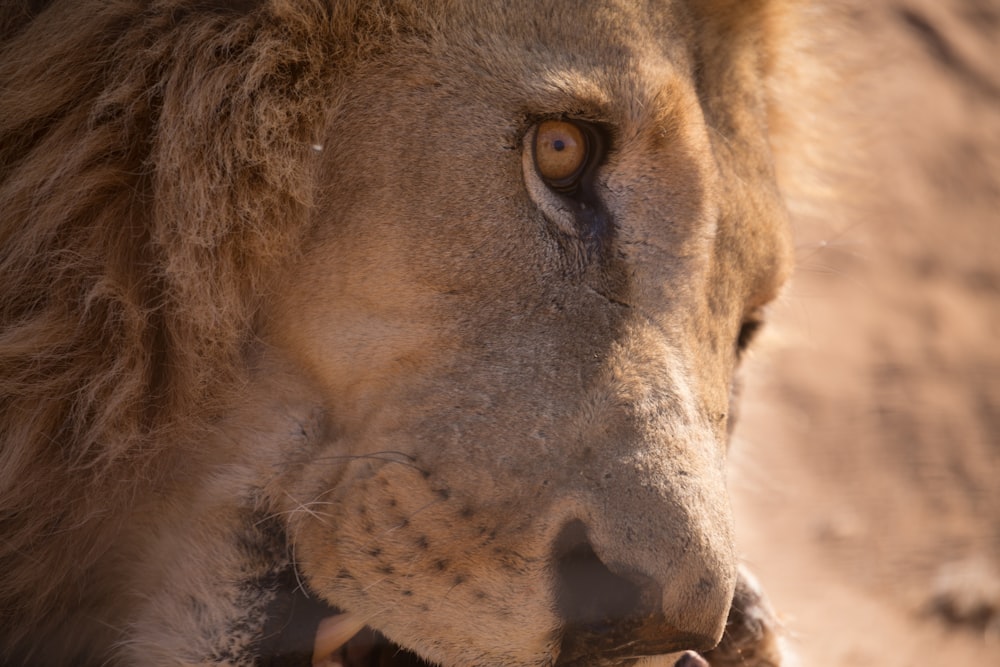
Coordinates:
[866,465]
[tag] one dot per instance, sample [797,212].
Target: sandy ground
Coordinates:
[866,466]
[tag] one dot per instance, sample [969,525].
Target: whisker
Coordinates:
[302,507]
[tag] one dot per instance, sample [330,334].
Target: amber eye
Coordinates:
[561,152]
[748,331]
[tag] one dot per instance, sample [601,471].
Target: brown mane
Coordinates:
[153,169]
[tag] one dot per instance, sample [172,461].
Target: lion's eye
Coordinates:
[561,152]
[748,331]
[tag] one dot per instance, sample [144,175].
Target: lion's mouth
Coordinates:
[302,631]
[345,641]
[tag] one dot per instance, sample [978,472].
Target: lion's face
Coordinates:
[520,305]
[460,372]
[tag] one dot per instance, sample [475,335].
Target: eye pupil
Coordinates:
[561,152]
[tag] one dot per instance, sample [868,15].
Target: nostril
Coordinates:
[612,613]
[589,595]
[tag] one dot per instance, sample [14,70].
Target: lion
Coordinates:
[395,332]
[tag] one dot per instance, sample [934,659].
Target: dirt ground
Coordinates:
[866,466]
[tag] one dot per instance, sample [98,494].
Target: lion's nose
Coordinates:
[611,612]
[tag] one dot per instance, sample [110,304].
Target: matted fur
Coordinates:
[159,179]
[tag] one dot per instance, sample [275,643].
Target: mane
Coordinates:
[155,171]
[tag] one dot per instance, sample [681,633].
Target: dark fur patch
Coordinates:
[292,619]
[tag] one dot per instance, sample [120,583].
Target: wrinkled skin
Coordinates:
[487,417]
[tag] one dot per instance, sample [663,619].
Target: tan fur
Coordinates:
[279,285]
